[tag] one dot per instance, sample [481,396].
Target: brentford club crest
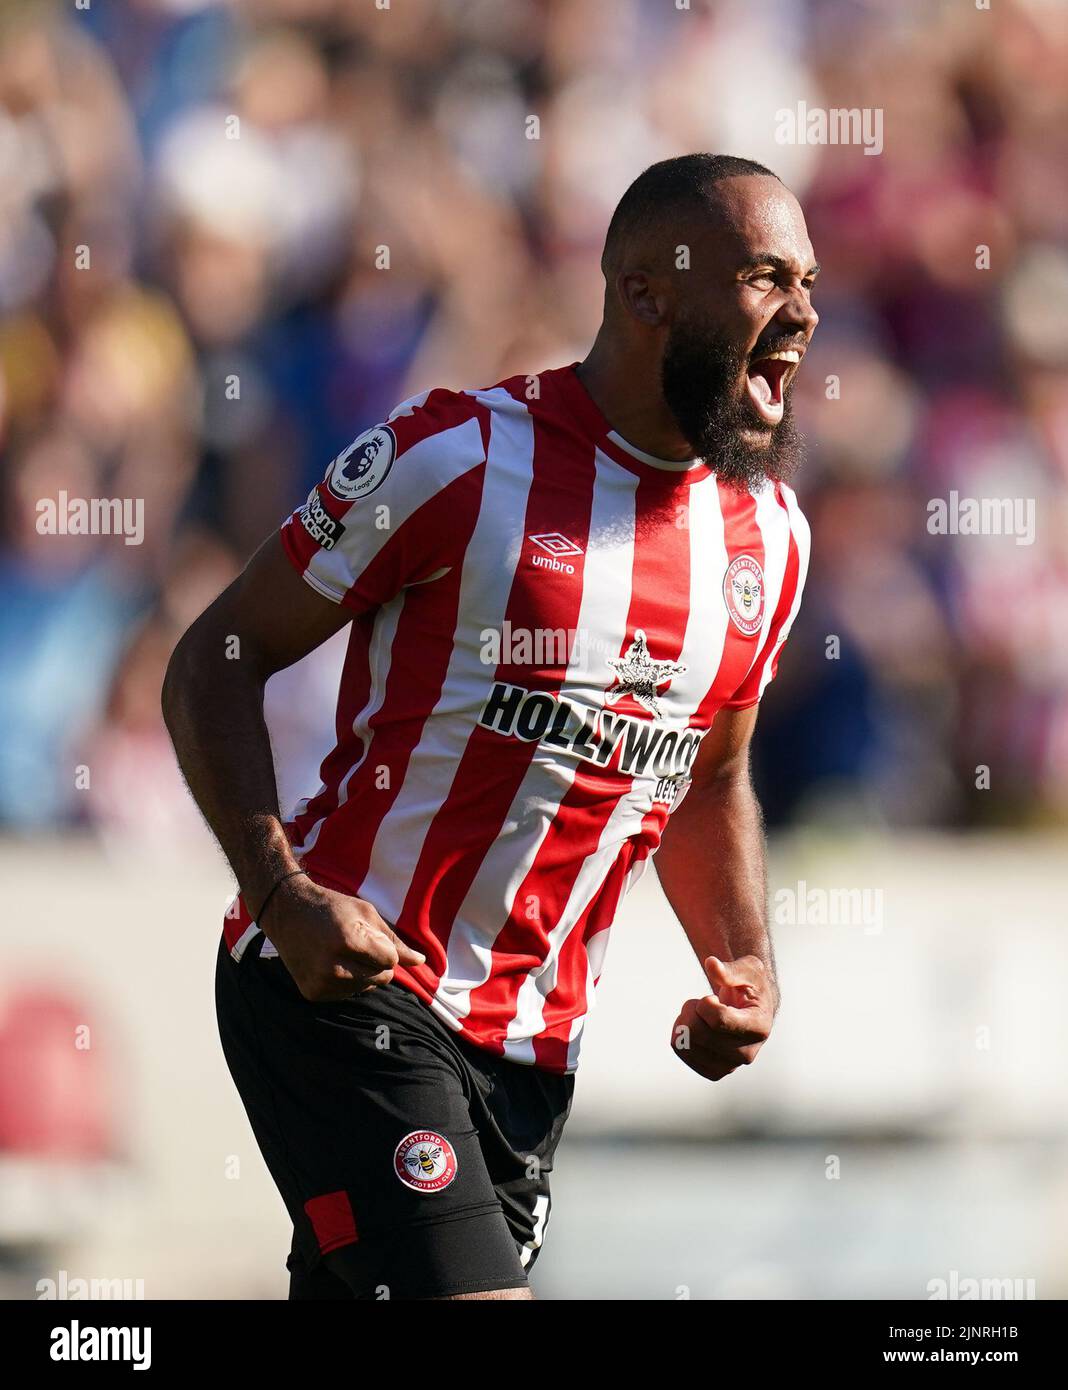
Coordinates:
[743,593]
[425,1161]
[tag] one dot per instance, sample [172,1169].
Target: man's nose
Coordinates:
[797,313]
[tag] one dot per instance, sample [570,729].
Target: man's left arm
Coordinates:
[711,864]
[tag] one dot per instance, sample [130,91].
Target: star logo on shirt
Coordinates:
[639,675]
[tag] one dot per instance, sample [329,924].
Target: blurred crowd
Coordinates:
[234,235]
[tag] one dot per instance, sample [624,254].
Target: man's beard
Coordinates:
[699,378]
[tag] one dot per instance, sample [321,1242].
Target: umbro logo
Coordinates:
[556,546]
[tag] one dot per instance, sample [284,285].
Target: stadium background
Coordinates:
[925,1052]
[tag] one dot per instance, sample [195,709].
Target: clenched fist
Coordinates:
[333,945]
[726,1029]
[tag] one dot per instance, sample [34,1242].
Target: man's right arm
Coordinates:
[333,945]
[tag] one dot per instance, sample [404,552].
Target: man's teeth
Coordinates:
[788,355]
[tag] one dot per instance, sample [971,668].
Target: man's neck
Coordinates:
[627,393]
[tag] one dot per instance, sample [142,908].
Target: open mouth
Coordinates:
[767,378]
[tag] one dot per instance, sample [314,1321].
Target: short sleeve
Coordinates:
[388,512]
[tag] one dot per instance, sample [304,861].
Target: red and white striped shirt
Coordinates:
[545,622]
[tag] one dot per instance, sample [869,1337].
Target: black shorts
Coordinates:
[412,1164]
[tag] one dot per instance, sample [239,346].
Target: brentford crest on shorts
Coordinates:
[425,1161]
[495,800]
[743,590]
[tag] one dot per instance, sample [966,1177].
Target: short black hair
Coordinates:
[670,187]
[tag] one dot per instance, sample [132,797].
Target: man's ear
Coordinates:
[639,299]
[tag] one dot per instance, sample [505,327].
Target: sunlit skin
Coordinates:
[752,271]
